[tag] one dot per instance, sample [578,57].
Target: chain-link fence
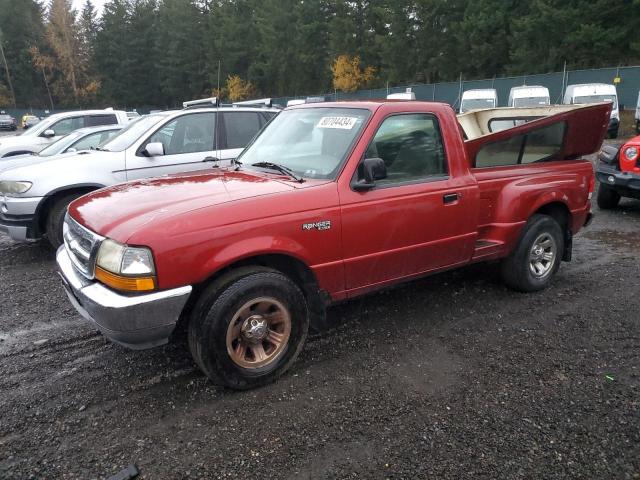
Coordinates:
[556,82]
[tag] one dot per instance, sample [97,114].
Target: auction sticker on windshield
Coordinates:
[346,123]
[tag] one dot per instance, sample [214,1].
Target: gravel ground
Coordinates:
[453,377]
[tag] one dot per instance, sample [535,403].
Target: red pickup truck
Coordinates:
[329,202]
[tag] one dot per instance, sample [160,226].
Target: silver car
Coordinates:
[35,193]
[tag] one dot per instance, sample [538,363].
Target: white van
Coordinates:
[594,93]
[478,98]
[529,96]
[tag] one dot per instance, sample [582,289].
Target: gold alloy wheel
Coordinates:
[258,332]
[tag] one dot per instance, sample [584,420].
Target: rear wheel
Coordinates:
[249,331]
[608,198]
[536,259]
[55,218]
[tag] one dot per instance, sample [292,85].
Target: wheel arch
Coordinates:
[294,268]
[560,212]
[50,198]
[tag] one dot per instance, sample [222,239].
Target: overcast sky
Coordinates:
[77,4]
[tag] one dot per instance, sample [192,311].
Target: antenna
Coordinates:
[216,131]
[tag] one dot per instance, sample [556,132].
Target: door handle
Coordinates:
[449,198]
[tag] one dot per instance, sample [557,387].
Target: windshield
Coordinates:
[40,127]
[530,101]
[5,117]
[59,145]
[476,103]
[127,136]
[313,142]
[597,98]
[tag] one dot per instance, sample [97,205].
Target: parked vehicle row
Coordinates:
[202,135]
[56,126]
[330,201]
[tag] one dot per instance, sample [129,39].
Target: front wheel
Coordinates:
[55,218]
[248,331]
[536,259]
[608,198]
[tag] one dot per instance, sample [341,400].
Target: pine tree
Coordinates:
[21,24]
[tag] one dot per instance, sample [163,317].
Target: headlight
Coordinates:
[125,268]
[631,153]
[7,186]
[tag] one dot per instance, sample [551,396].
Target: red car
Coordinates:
[618,172]
[329,202]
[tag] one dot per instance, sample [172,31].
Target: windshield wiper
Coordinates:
[100,149]
[280,168]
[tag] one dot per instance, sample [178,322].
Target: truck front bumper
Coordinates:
[17,217]
[626,184]
[137,322]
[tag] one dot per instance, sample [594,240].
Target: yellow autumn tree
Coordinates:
[239,89]
[348,76]
[235,89]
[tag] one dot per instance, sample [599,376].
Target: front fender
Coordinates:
[253,247]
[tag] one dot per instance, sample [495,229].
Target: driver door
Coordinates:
[189,144]
[417,219]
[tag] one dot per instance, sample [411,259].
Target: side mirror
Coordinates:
[153,149]
[48,133]
[370,170]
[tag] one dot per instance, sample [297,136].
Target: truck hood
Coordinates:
[119,211]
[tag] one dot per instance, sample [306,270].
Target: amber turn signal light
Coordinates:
[128,284]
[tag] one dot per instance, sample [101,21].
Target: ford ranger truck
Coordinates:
[618,171]
[331,201]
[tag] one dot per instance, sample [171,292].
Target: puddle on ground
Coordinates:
[615,238]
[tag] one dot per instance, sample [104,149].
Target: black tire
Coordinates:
[214,311]
[55,218]
[608,198]
[517,268]
[613,135]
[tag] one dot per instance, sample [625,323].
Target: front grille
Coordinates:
[81,245]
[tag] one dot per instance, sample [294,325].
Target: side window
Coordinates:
[97,120]
[90,141]
[535,146]
[67,125]
[189,133]
[411,147]
[241,127]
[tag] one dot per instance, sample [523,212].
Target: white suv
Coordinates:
[35,193]
[56,126]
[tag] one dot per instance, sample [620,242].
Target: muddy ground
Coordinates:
[448,377]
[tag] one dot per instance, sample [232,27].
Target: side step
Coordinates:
[486,248]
